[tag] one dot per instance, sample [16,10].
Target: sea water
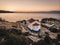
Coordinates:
[13,17]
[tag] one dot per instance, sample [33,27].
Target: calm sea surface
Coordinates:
[12,17]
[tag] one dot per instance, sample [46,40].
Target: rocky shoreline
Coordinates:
[11,32]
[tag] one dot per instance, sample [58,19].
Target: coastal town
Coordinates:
[33,31]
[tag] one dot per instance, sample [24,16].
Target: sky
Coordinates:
[29,5]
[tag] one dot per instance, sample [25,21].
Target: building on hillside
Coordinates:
[34,25]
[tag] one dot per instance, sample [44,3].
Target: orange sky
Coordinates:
[29,5]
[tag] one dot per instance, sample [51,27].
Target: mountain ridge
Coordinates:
[3,11]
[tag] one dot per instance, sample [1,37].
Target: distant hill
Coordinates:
[57,12]
[3,11]
[54,12]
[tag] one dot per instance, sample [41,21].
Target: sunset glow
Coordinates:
[29,5]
